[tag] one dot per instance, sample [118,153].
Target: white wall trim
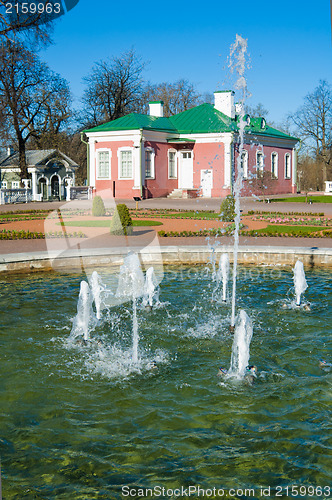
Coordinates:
[228,145]
[104,150]
[134,161]
[290,166]
[172,150]
[153,154]
[277,164]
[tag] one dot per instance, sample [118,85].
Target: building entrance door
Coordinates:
[206,183]
[55,186]
[186,172]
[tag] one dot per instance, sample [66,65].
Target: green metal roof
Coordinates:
[198,120]
[259,126]
[176,140]
[202,119]
[136,121]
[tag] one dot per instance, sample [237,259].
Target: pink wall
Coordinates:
[275,186]
[210,156]
[123,187]
[161,185]
[206,156]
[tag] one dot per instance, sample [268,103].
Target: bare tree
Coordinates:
[177,97]
[262,183]
[114,88]
[257,110]
[309,175]
[314,124]
[31,20]
[33,100]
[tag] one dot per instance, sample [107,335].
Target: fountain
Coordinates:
[82,320]
[241,343]
[300,283]
[151,291]
[131,287]
[131,413]
[238,63]
[96,291]
[223,274]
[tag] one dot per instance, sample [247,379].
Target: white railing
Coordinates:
[15,196]
[80,193]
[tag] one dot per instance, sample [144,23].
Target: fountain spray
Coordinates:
[223,274]
[131,286]
[150,289]
[241,343]
[300,283]
[238,63]
[83,317]
[96,291]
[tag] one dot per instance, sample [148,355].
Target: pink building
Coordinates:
[193,153]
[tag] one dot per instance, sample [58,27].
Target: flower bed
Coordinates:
[33,235]
[217,232]
[295,221]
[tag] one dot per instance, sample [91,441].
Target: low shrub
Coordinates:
[121,223]
[227,209]
[98,207]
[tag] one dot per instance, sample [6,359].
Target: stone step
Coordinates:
[176,193]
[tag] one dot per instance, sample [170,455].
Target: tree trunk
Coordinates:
[22,159]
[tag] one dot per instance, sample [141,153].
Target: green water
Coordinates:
[81,423]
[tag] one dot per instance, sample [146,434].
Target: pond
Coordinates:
[83,422]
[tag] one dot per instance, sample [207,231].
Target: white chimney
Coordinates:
[238,108]
[224,102]
[10,150]
[156,108]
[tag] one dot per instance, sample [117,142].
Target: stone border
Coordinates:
[78,260]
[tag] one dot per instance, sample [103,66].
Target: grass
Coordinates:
[193,215]
[106,223]
[272,229]
[301,199]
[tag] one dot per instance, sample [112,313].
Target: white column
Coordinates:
[34,184]
[92,180]
[136,165]
[227,161]
[294,166]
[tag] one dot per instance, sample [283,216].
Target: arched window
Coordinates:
[172,164]
[149,163]
[244,163]
[274,165]
[287,166]
[259,163]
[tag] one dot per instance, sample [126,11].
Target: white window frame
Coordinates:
[120,151]
[288,174]
[4,184]
[104,150]
[152,167]
[274,154]
[244,163]
[175,176]
[16,184]
[259,167]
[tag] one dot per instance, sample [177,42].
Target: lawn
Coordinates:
[301,199]
[272,230]
[205,215]
[106,223]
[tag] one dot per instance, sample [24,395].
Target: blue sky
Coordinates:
[289,44]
